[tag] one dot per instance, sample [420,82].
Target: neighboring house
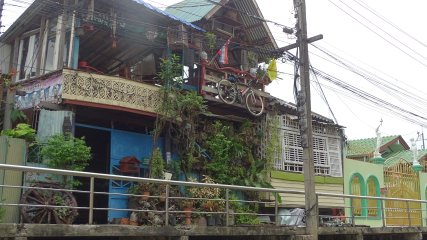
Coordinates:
[328,144]
[396,176]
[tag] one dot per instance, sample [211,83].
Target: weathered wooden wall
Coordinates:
[323,184]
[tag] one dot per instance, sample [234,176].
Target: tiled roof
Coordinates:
[366,146]
[406,155]
[191,10]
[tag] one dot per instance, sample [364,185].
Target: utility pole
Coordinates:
[1,12]
[305,121]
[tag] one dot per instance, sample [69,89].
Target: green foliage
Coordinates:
[178,112]
[211,40]
[2,213]
[23,131]
[157,165]
[170,73]
[250,210]
[274,147]
[219,144]
[16,115]
[66,152]
[62,212]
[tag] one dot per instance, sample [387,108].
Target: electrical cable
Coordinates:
[376,33]
[366,6]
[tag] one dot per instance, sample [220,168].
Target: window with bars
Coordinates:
[326,150]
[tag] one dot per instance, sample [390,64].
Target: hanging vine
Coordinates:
[178,113]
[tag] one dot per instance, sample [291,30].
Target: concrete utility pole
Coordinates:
[1,12]
[306,128]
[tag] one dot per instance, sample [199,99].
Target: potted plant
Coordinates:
[187,207]
[144,190]
[214,204]
[67,152]
[210,206]
[133,200]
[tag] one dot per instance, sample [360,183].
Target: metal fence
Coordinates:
[273,212]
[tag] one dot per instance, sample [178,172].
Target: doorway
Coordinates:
[99,141]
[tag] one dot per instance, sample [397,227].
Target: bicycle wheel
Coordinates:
[227,91]
[254,104]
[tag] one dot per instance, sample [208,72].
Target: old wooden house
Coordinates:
[91,68]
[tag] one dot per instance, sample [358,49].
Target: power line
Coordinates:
[366,6]
[381,83]
[376,33]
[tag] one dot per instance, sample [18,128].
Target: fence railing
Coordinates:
[170,204]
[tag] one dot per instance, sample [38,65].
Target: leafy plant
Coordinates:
[178,112]
[157,165]
[2,213]
[210,40]
[247,212]
[66,152]
[23,131]
[17,115]
[170,73]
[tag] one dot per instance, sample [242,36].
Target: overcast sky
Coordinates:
[346,38]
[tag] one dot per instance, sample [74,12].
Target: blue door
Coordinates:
[125,144]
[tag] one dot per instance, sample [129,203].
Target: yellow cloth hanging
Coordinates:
[272,70]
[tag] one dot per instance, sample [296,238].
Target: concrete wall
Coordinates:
[365,170]
[12,151]
[423,193]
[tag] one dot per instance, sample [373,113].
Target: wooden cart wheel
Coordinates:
[48,214]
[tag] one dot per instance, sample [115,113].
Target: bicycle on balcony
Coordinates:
[230,92]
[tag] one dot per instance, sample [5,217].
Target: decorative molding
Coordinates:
[109,90]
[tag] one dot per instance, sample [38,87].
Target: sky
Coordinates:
[403,66]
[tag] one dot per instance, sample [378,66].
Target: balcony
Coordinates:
[90,89]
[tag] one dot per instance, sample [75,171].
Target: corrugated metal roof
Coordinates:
[256,28]
[165,13]
[191,10]
[260,32]
[38,5]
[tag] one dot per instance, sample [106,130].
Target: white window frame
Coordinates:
[324,144]
[30,63]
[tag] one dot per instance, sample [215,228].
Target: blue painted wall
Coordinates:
[126,144]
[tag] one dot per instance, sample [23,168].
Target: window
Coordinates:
[51,51]
[27,58]
[356,184]
[326,150]
[373,191]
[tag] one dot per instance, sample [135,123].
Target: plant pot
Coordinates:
[168,175]
[231,217]
[202,222]
[162,197]
[124,221]
[146,196]
[187,212]
[210,220]
[133,203]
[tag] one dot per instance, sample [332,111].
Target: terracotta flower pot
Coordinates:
[146,196]
[187,212]
[124,221]
[162,197]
